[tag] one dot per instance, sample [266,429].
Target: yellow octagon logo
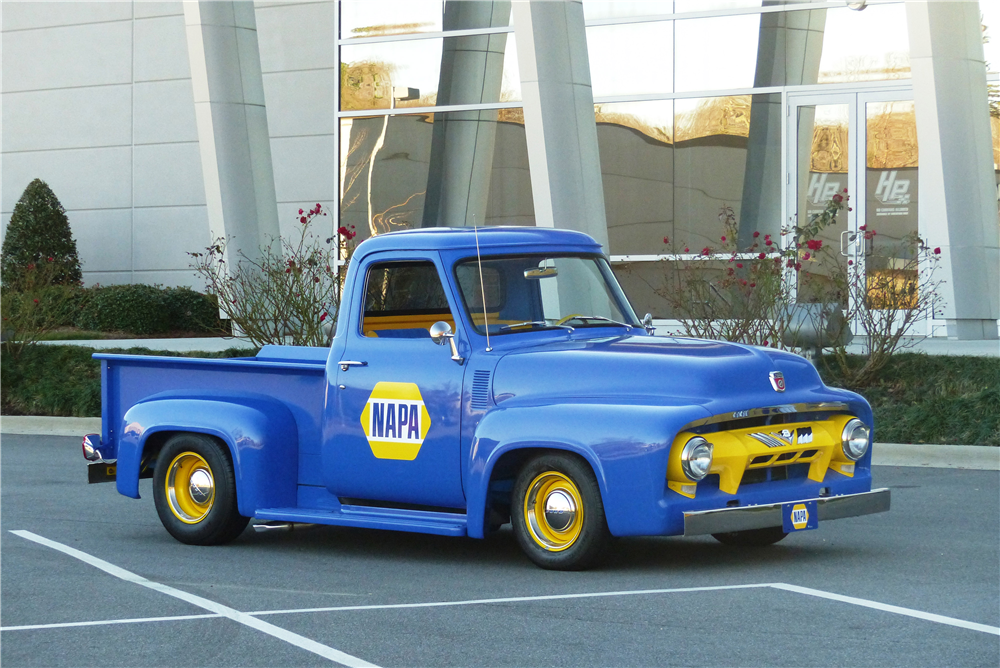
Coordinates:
[800,516]
[395,421]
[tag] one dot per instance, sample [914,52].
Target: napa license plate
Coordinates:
[799,516]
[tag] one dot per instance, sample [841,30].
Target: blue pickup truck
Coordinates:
[477,379]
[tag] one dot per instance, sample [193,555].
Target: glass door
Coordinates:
[861,145]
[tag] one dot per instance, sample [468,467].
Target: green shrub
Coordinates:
[39,232]
[136,308]
[192,311]
[66,380]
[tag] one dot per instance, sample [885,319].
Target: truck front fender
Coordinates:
[259,431]
[626,445]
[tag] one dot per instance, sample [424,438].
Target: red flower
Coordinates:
[686,249]
[48,259]
[814,244]
[790,263]
[806,256]
[723,238]
[706,250]
[798,265]
[756,234]
[838,198]
[322,317]
[753,285]
[739,265]
[845,190]
[666,240]
[288,271]
[36,301]
[730,271]
[315,279]
[303,220]
[767,242]
[937,251]
[850,262]
[863,228]
[765,343]
[762,256]
[300,212]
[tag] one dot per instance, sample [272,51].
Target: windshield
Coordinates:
[518,293]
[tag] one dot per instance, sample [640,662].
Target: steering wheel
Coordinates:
[563,321]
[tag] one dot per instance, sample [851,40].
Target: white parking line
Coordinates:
[106,622]
[324,651]
[513,599]
[249,618]
[929,616]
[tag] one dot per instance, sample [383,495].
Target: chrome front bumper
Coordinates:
[725,520]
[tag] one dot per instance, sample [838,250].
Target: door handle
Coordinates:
[846,238]
[347,364]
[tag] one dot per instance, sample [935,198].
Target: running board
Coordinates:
[393,519]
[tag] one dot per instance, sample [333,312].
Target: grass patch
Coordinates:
[65,381]
[920,398]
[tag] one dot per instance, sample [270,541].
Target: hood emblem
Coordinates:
[777,381]
[779,439]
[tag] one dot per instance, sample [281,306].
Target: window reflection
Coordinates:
[717,53]
[454,70]
[675,170]
[426,170]
[632,59]
[380,18]
[872,45]
[614,9]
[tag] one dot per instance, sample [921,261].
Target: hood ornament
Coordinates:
[777,381]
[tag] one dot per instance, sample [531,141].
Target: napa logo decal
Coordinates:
[395,421]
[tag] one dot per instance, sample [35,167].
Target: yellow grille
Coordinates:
[816,443]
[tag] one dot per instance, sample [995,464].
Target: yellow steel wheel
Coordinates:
[553,508]
[190,487]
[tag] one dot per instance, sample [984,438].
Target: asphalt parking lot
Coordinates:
[92,579]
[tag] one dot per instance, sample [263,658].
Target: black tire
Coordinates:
[204,514]
[573,540]
[751,537]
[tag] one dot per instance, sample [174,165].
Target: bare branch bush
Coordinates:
[289,295]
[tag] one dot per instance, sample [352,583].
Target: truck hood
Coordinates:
[719,375]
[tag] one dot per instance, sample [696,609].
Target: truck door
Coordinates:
[395,430]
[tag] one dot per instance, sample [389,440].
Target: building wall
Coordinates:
[97,102]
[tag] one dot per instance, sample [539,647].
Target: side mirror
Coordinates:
[441,334]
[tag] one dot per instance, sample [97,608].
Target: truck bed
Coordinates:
[292,375]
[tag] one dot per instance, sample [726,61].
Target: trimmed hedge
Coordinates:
[147,309]
[66,380]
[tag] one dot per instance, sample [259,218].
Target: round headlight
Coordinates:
[855,439]
[696,458]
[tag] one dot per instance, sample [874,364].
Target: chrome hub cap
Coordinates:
[560,510]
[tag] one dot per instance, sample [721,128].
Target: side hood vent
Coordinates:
[481,390]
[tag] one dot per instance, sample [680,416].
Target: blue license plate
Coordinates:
[799,516]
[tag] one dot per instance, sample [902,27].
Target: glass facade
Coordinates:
[690,102]
[460,158]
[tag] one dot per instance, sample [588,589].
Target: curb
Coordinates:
[974,457]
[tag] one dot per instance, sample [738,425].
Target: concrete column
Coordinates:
[958,198]
[788,54]
[232,123]
[559,116]
[458,182]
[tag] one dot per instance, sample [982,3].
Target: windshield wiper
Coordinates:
[540,323]
[603,319]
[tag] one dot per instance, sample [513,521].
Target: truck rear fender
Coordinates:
[629,463]
[260,433]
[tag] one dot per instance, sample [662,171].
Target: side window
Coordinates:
[403,300]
